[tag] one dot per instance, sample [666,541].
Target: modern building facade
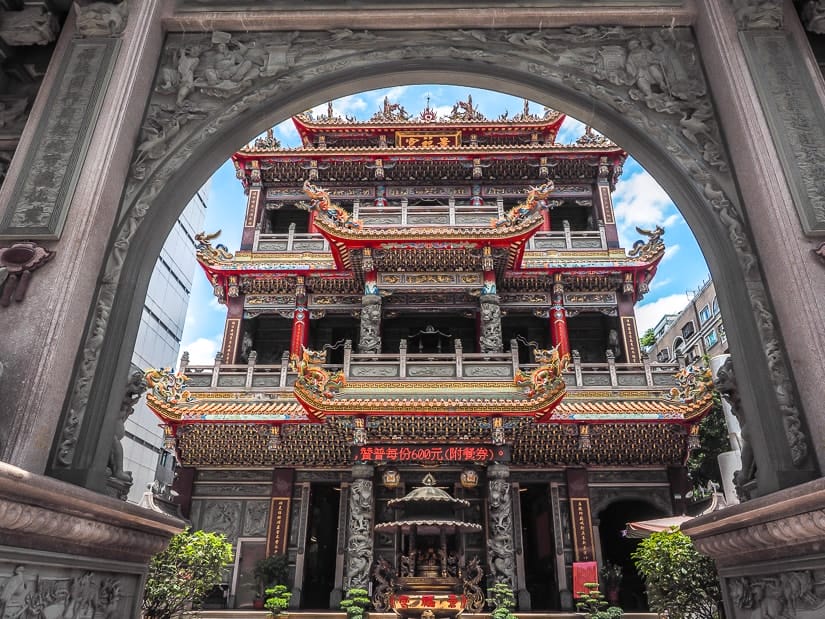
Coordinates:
[158,345]
[420,294]
[695,332]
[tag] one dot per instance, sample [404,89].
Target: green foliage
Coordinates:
[184,573]
[679,579]
[648,339]
[277,599]
[355,603]
[611,574]
[502,600]
[594,606]
[271,570]
[703,465]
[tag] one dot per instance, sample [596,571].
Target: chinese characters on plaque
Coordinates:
[427,139]
[431,453]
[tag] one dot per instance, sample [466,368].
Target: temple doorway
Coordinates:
[322,533]
[616,548]
[537,538]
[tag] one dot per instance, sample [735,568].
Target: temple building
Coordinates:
[441,304]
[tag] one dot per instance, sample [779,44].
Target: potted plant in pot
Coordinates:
[277,600]
[611,576]
[355,603]
[268,572]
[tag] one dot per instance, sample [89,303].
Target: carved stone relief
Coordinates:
[650,78]
[370,335]
[500,550]
[222,517]
[101,19]
[32,25]
[44,591]
[753,14]
[490,338]
[725,383]
[776,596]
[359,543]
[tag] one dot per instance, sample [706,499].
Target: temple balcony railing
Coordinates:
[569,239]
[556,240]
[422,367]
[291,241]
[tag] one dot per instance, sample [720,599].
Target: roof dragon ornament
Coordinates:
[531,205]
[647,250]
[209,253]
[334,213]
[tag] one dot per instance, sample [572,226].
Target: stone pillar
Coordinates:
[254,209]
[520,587]
[490,339]
[559,336]
[232,337]
[369,340]
[184,484]
[677,477]
[565,595]
[359,538]
[300,555]
[337,593]
[603,201]
[500,549]
[300,320]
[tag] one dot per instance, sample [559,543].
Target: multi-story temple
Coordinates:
[440,297]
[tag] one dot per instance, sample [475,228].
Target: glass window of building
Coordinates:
[711,339]
[704,315]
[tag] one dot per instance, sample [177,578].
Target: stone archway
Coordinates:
[661,111]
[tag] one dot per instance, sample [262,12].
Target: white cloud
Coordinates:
[571,130]
[671,251]
[640,201]
[660,282]
[394,94]
[648,314]
[442,111]
[203,350]
[287,132]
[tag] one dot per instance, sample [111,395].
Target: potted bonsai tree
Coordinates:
[277,599]
[355,603]
[268,572]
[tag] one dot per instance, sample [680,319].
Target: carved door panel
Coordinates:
[249,553]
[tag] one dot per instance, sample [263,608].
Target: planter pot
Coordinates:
[258,604]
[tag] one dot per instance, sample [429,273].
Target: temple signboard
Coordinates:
[427,139]
[431,453]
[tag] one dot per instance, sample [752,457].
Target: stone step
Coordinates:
[262,614]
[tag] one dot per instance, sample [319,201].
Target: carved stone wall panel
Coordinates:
[231,490]
[796,118]
[648,80]
[222,516]
[43,194]
[195,514]
[234,475]
[54,585]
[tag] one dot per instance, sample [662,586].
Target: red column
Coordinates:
[545,216]
[311,227]
[277,538]
[300,320]
[558,320]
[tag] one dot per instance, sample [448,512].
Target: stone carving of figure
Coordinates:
[500,543]
[29,26]
[490,338]
[188,60]
[13,113]
[645,70]
[384,577]
[369,340]
[813,16]
[13,595]
[725,383]
[359,547]
[101,19]
[613,343]
[231,65]
[134,389]
[500,549]
[246,345]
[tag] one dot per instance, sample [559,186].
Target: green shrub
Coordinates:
[594,606]
[679,580]
[502,600]
[355,603]
[272,570]
[182,575]
[277,599]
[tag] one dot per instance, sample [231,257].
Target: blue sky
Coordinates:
[638,201]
